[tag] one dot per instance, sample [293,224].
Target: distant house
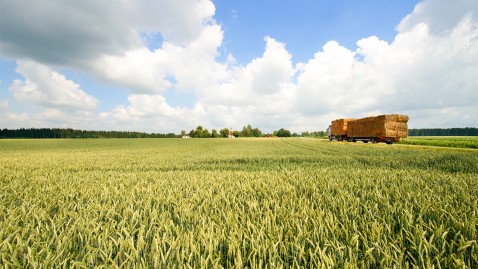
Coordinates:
[186,136]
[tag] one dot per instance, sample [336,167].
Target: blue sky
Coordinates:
[167,66]
[305,26]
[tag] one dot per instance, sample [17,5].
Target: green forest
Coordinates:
[71,133]
[467,131]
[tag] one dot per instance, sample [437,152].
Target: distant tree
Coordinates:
[283,133]
[214,133]
[183,132]
[256,132]
[200,132]
[224,132]
[246,131]
[197,132]
[205,134]
[236,133]
[70,133]
[467,131]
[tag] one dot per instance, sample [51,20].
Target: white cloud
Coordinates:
[54,117]
[261,93]
[75,32]
[146,111]
[419,71]
[11,120]
[266,80]
[274,68]
[179,22]
[3,105]
[137,45]
[153,47]
[22,117]
[47,88]
[440,16]
[139,70]
[443,117]
[435,71]
[195,66]
[335,80]
[186,67]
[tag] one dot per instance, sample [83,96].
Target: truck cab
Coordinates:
[329,132]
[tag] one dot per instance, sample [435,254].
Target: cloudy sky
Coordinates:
[170,65]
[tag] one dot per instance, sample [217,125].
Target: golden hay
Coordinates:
[392,125]
[339,127]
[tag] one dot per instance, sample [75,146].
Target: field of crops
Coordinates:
[443,141]
[256,203]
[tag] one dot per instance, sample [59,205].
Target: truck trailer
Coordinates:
[383,128]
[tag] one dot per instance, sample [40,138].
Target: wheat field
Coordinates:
[236,203]
[443,141]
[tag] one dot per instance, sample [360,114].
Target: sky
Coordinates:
[170,65]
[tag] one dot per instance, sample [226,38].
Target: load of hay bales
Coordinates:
[391,125]
[339,127]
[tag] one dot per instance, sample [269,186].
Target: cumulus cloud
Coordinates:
[146,47]
[55,117]
[262,83]
[261,93]
[47,88]
[11,119]
[153,47]
[437,71]
[229,94]
[146,111]
[421,71]
[441,16]
[75,32]
[336,80]
[139,70]
[186,67]
[3,105]
[272,69]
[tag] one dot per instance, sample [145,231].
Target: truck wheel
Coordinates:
[389,142]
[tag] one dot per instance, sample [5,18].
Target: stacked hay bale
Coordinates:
[391,125]
[339,127]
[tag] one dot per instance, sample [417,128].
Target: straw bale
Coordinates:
[392,125]
[339,127]
[394,117]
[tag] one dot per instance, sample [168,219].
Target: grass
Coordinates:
[443,141]
[257,203]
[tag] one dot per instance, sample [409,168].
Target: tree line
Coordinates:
[467,131]
[201,132]
[246,131]
[71,133]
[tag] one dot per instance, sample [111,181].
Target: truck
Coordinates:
[387,128]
